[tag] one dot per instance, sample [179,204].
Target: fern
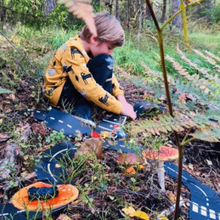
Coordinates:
[2,91]
[151,88]
[212,55]
[164,123]
[201,83]
[203,71]
[208,59]
[204,128]
[207,134]
[152,75]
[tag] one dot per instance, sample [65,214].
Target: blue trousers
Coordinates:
[101,67]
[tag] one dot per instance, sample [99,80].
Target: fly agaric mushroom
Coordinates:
[61,195]
[164,154]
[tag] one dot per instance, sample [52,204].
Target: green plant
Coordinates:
[213,13]
[2,91]
[56,137]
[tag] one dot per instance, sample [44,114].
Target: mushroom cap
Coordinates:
[129,159]
[164,154]
[67,193]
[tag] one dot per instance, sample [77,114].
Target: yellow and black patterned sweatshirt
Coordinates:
[70,61]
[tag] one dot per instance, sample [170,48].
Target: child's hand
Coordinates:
[128,110]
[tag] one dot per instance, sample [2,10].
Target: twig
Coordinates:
[129,192]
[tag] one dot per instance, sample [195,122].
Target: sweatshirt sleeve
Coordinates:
[75,65]
[116,89]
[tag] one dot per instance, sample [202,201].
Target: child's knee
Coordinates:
[104,60]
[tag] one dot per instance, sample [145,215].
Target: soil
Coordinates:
[116,189]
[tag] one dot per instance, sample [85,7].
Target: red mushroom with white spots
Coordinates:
[165,153]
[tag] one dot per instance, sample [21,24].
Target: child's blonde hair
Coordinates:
[109,30]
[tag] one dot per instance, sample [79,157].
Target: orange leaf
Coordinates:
[130,170]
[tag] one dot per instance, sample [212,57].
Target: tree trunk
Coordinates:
[164,11]
[111,6]
[148,15]
[128,14]
[177,21]
[2,11]
[49,6]
[139,19]
[117,10]
[209,4]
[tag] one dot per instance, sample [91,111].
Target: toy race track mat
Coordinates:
[205,202]
[108,123]
[59,120]
[9,212]
[50,168]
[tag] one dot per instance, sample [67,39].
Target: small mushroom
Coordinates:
[164,154]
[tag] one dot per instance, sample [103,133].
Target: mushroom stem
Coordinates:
[161,174]
[44,214]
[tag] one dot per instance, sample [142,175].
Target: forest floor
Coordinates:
[103,199]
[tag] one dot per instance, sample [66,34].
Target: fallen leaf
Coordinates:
[130,170]
[89,148]
[141,215]
[129,211]
[209,162]
[4,137]
[141,167]
[190,166]
[11,97]
[171,197]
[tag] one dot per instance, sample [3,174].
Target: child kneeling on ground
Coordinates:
[81,72]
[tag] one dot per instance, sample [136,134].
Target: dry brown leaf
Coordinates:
[89,148]
[182,98]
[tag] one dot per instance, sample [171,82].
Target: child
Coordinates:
[81,71]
